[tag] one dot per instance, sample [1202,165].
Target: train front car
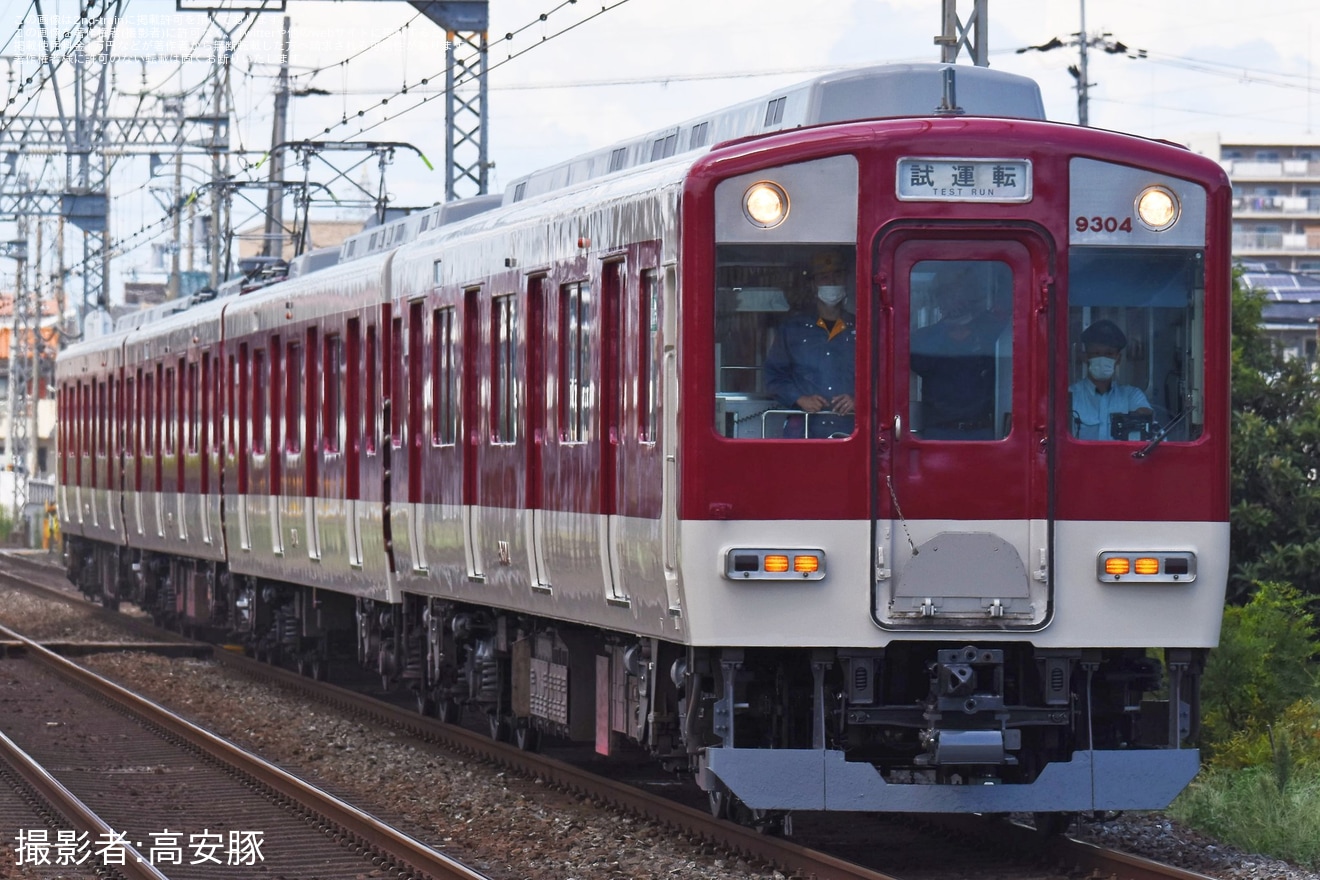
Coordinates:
[954,458]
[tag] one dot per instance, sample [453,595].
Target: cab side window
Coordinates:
[785,342]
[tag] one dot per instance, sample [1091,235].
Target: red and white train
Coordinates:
[521,454]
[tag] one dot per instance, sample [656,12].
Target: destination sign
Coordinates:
[963,180]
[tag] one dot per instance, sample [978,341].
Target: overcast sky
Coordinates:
[596,71]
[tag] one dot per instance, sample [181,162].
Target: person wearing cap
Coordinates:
[812,361]
[1097,396]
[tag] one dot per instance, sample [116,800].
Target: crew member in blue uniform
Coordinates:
[812,362]
[1096,396]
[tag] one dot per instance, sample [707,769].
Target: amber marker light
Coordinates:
[1117,565]
[1135,568]
[1146,565]
[752,564]
[765,204]
[1157,207]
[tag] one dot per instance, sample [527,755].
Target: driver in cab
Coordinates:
[812,361]
[1096,397]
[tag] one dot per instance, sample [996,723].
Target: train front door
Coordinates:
[961,536]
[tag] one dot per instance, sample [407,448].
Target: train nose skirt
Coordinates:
[809,779]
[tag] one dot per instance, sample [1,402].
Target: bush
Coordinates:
[1248,810]
[1291,743]
[1261,667]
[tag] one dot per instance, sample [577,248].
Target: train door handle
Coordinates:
[882,441]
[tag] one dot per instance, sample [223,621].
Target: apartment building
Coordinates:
[1276,228]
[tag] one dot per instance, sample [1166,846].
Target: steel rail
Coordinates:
[81,816]
[386,841]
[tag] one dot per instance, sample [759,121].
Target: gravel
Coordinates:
[498,822]
[503,824]
[1159,838]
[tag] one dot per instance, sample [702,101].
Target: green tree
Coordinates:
[1262,665]
[1275,517]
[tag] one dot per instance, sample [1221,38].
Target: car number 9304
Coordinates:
[1102,224]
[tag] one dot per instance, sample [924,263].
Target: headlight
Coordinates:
[765,204]
[1157,207]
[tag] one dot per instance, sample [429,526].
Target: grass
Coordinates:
[1251,809]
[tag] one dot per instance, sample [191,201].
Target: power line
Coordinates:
[465,79]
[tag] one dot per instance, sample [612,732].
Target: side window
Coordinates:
[1136,343]
[648,364]
[331,404]
[961,349]
[395,376]
[785,341]
[311,417]
[573,378]
[444,379]
[149,414]
[103,420]
[259,401]
[191,420]
[504,372]
[168,440]
[370,411]
[293,398]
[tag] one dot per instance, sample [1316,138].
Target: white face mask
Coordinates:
[831,294]
[1102,368]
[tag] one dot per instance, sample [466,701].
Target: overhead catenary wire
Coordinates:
[463,80]
[52,61]
[119,245]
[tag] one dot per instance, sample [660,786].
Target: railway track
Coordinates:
[1005,841]
[31,798]
[128,773]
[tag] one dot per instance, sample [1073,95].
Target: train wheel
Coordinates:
[302,665]
[761,821]
[499,728]
[425,702]
[726,805]
[526,737]
[1052,824]
[320,668]
[769,822]
[718,798]
[448,710]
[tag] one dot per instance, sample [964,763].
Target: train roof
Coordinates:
[390,235]
[875,92]
[878,92]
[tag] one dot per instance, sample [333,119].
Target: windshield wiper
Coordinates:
[1159,438]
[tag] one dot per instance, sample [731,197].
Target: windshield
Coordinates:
[1136,338]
